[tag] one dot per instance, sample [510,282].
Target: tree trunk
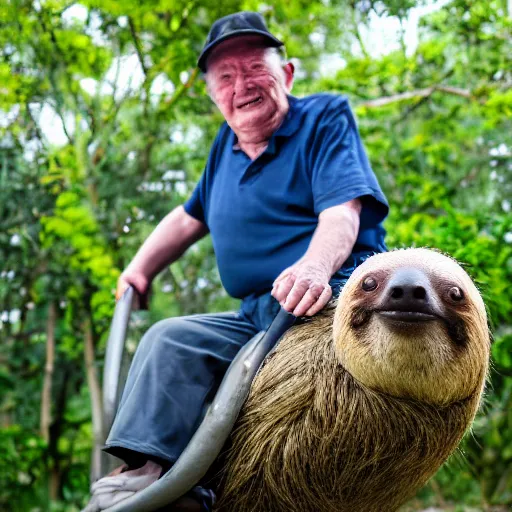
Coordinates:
[46,398]
[56,470]
[96,402]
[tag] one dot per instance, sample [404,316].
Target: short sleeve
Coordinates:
[340,168]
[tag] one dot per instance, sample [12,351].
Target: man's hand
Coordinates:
[303,289]
[141,284]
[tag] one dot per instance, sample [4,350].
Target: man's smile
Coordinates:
[250,103]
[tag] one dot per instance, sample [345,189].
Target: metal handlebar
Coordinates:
[214,430]
[114,357]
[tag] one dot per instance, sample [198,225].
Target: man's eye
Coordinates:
[225,77]
[257,67]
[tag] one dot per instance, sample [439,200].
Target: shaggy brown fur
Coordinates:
[360,420]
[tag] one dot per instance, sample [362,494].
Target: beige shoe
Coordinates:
[120,485]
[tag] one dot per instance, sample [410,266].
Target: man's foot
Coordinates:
[119,470]
[121,484]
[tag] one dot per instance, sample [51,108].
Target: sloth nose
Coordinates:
[408,289]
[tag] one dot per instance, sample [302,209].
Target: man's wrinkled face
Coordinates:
[249,86]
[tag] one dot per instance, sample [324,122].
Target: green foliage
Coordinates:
[73,213]
[22,454]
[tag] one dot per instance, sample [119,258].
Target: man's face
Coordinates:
[249,86]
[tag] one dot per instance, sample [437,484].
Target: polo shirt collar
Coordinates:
[291,122]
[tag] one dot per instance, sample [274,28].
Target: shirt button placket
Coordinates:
[251,173]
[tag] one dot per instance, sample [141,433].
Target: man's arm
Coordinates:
[170,239]
[303,288]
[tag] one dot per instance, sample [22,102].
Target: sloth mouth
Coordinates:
[455,327]
[400,318]
[413,317]
[410,319]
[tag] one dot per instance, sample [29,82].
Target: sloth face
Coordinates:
[411,323]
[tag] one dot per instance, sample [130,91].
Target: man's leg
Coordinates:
[176,371]
[175,374]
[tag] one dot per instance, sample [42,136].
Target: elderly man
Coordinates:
[292,206]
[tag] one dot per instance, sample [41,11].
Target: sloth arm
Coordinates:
[303,288]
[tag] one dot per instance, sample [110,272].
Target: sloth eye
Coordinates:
[369,284]
[456,294]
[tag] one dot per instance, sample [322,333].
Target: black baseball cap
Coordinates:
[243,23]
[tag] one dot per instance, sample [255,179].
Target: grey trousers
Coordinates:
[174,376]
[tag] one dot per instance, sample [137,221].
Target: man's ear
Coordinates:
[289,70]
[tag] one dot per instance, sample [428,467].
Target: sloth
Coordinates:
[357,408]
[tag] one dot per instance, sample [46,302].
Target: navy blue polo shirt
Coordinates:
[262,214]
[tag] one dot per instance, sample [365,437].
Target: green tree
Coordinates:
[436,122]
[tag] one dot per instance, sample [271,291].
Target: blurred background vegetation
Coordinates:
[105,126]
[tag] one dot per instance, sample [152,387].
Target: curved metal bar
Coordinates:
[113,358]
[210,437]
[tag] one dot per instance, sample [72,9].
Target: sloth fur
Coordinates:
[354,413]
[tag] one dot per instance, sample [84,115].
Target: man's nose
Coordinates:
[242,83]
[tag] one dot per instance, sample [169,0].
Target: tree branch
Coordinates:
[355,23]
[387,100]
[53,67]
[36,125]
[183,88]
[136,43]
[457,91]
[418,93]
[58,110]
